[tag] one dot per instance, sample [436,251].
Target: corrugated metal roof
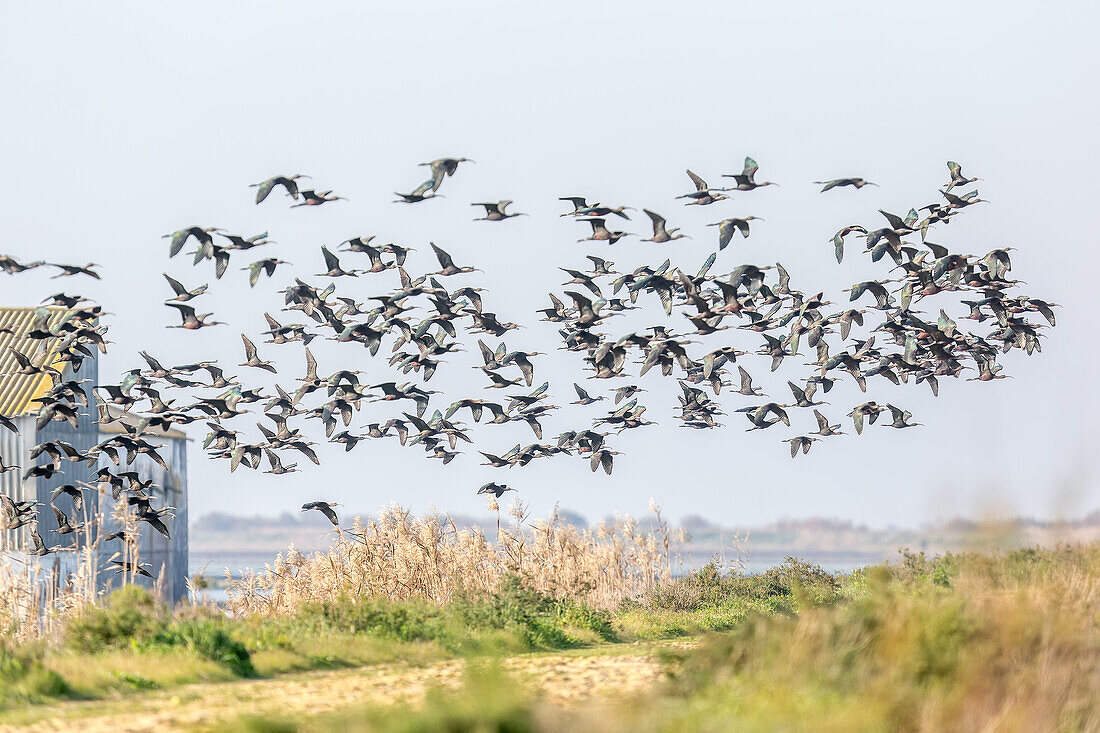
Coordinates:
[18,391]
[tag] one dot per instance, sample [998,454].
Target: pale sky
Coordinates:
[124,121]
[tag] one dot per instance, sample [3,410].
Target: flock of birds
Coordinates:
[422,319]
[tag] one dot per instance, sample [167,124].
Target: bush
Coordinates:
[24,678]
[130,617]
[208,639]
[962,642]
[783,588]
[375,616]
[127,615]
[540,619]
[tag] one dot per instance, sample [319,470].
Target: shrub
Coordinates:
[964,642]
[782,588]
[127,615]
[25,678]
[375,616]
[131,617]
[540,619]
[208,639]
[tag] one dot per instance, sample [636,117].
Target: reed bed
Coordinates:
[401,557]
[39,596]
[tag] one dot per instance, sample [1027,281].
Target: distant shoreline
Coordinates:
[219,541]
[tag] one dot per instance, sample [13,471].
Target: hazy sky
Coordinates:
[125,121]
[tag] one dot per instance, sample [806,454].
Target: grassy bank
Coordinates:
[1005,641]
[962,642]
[128,642]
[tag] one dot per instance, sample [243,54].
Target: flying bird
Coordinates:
[326,508]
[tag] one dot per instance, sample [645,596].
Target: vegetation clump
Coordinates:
[131,618]
[959,641]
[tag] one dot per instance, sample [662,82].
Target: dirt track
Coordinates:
[562,680]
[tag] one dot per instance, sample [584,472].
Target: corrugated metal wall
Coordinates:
[16,450]
[168,558]
[83,437]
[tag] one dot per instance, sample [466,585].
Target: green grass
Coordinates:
[129,643]
[965,641]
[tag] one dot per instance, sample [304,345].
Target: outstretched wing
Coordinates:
[445,260]
[700,184]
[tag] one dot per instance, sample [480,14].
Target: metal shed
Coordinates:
[18,395]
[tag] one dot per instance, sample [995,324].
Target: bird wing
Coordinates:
[175,285]
[156,523]
[700,184]
[263,189]
[895,221]
[746,379]
[725,233]
[445,260]
[750,168]
[186,311]
[332,262]
[330,513]
[659,221]
[799,393]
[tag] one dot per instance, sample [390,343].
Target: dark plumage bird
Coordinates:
[316,198]
[290,183]
[252,358]
[727,228]
[661,232]
[423,192]
[266,266]
[326,508]
[64,526]
[838,240]
[802,441]
[182,294]
[746,178]
[72,492]
[442,167]
[179,238]
[901,418]
[600,233]
[447,263]
[497,490]
[840,182]
[125,566]
[40,548]
[583,397]
[957,177]
[703,195]
[497,211]
[190,320]
[69,270]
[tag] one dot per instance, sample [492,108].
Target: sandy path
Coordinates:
[562,680]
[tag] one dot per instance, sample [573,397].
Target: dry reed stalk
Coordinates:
[399,556]
[35,603]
